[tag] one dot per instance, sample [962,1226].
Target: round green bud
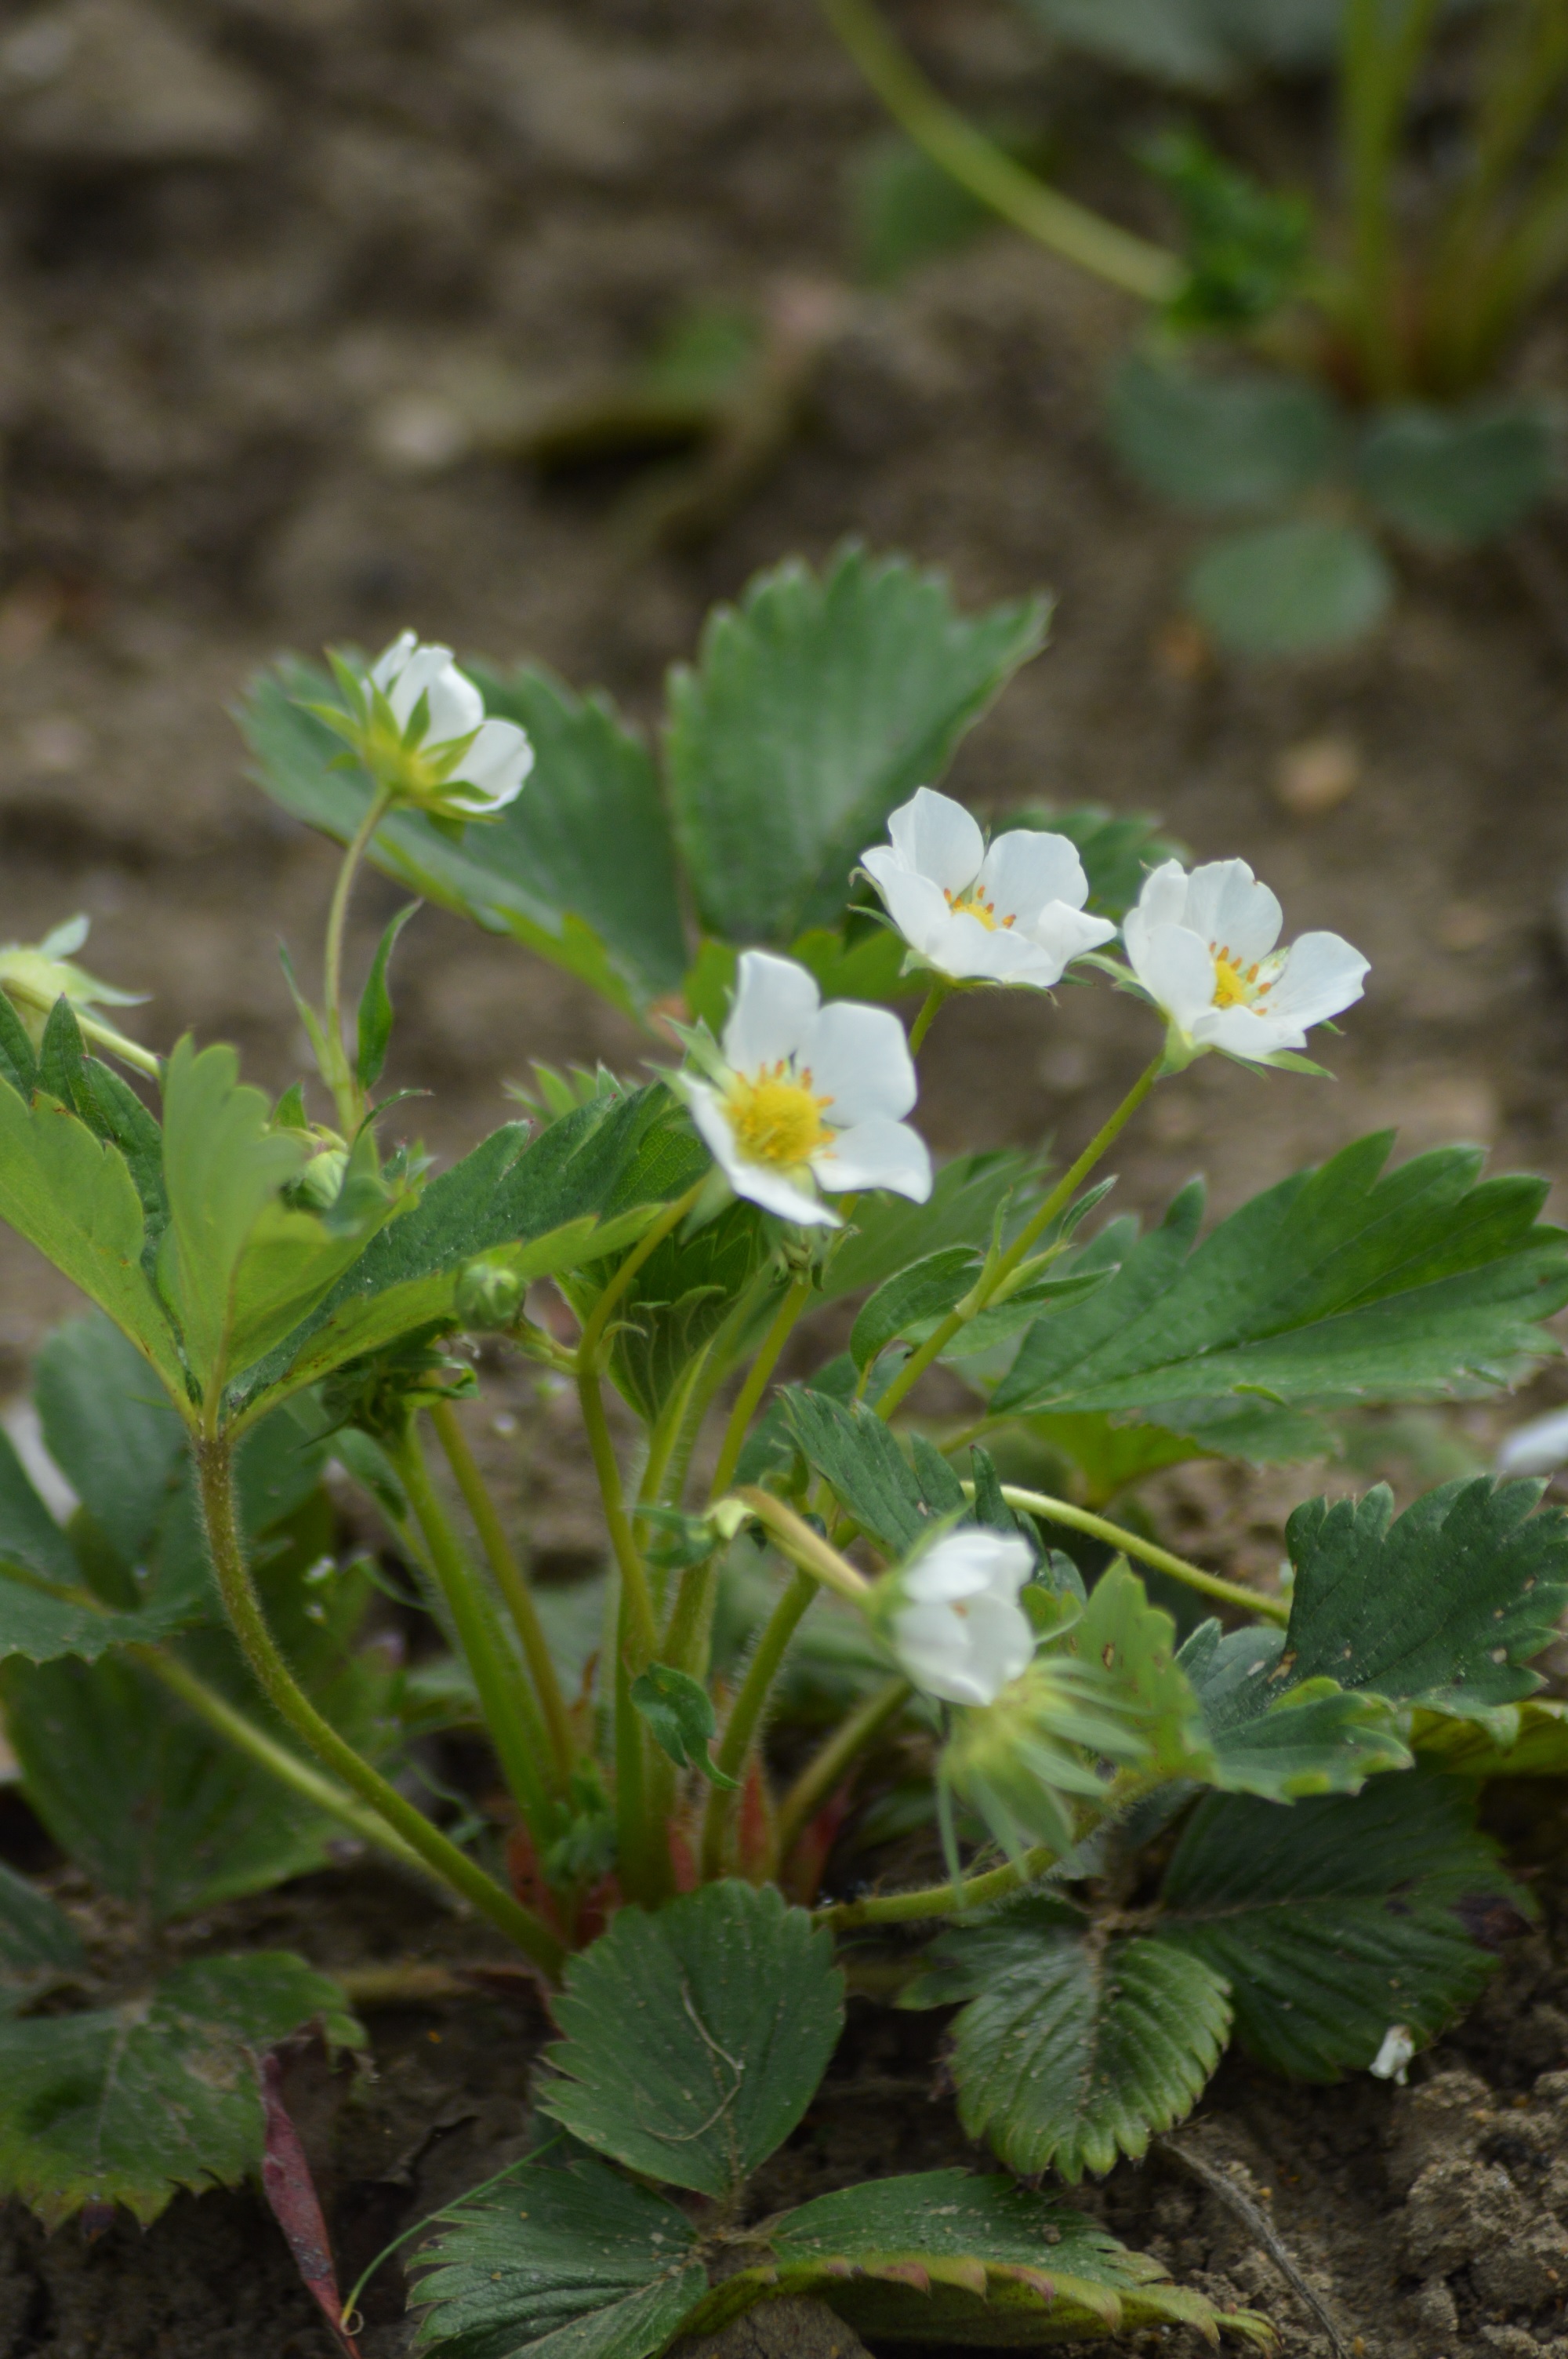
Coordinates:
[488,1295]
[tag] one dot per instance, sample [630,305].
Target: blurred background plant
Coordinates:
[1329,371]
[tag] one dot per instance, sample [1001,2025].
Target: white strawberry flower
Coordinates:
[955,1624]
[1203,948]
[804,1097]
[460,766]
[1013,914]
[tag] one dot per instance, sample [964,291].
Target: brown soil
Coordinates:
[282,282]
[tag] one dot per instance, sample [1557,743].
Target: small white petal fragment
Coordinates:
[1393,2057]
[1013,915]
[1203,949]
[957,1626]
[808,1098]
[461,766]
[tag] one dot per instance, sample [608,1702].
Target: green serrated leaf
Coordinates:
[676,1303]
[1337,1282]
[1135,1643]
[38,1942]
[815,708]
[1224,444]
[74,1198]
[680,1717]
[927,1290]
[850,1447]
[19,1058]
[130,2103]
[1442,1606]
[541,871]
[1311,1736]
[947,2258]
[1075,2048]
[1458,476]
[572,2264]
[1352,1913]
[694,2038]
[1291,589]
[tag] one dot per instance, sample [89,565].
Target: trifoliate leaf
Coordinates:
[1336,1282]
[694,2038]
[948,2259]
[1342,1916]
[679,1713]
[1458,476]
[1073,2049]
[815,708]
[130,2103]
[556,2261]
[1443,1605]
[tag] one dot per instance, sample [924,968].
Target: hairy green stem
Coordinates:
[1079,1519]
[826,1769]
[746,1713]
[510,1579]
[345,1089]
[269,1754]
[214,1460]
[511,1715]
[637,1597]
[805,1548]
[999,1269]
[937,1900]
[1116,255]
[757,1379]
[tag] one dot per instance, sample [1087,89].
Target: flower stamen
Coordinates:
[776,1118]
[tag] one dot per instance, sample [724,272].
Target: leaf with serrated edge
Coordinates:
[1311,1736]
[1351,1914]
[37,1941]
[926,1290]
[850,1447]
[694,2038]
[815,708]
[130,2103]
[73,1197]
[1337,1283]
[1120,1633]
[1051,2275]
[572,2264]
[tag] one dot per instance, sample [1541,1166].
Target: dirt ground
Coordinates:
[282,285]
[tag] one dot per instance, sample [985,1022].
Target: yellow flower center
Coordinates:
[973,904]
[775,1118]
[1234,984]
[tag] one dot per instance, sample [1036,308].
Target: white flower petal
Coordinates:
[1026,868]
[877,1153]
[1243,1033]
[775,1003]
[1066,933]
[917,907]
[760,1184]
[456,706]
[977,1559]
[932,1658]
[385,668]
[1002,1641]
[497,763]
[859,1060]
[1164,900]
[1176,969]
[959,1631]
[1231,910]
[974,953]
[415,677]
[938,837]
[1323,974]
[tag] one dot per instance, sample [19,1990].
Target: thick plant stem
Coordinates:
[927,1016]
[510,1579]
[269,1754]
[344,1088]
[214,1460]
[745,1715]
[1079,1519]
[512,1718]
[757,1380]
[805,1547]
[826,1770]
[937,1900]
[1078,236]
[994,1277]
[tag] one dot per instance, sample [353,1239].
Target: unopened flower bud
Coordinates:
[321,1183]
[488,1295]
